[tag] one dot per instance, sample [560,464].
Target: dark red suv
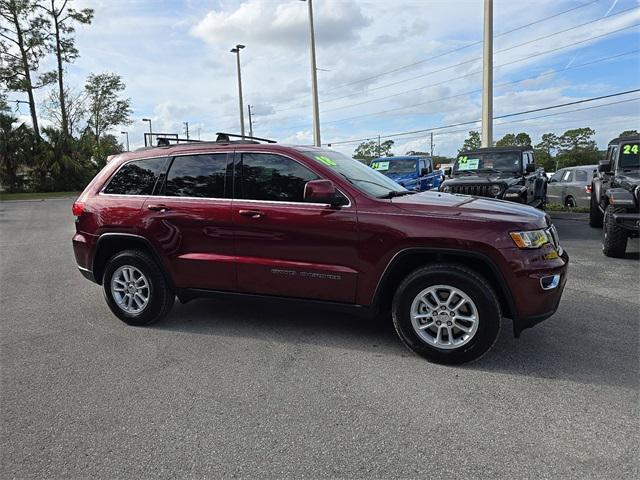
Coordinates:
[309,223]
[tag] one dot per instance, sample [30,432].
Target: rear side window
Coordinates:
[581,176]
[200,176]
[272,177]
[568,176]
[136,178]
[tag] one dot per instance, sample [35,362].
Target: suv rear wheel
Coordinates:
[135,288]
[447,314]
[614,243]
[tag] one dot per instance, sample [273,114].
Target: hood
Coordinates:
[487,178]
[629,180]
[401,178]
[432,203]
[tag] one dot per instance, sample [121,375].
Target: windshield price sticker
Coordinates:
[326,160]
[380,165]
[630,149]
[466,163]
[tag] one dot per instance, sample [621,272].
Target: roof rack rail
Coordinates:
[166,141]
[224,137]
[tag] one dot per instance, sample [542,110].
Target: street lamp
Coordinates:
[236,50]
[150,131]
[314,78]
[127,134]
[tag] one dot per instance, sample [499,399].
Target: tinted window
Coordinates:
[136,178]
[557,176]
[197,176]
[581,176]
[272,177]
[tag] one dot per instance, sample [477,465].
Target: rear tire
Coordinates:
[614,243]
[595,215]
[429,327]
[570,202]
[135,288]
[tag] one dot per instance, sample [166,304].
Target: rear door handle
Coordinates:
[251,213]
[158,208]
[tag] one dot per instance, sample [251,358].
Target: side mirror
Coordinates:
[447,171]
[321,191]
[604,166]
[531,167]
[424,171]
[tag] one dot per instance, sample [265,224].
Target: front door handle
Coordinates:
[158,208]
[251,213]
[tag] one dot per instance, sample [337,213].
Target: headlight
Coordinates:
[530,238]
[446,189]
[496,190]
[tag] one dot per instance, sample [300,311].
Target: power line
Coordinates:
[479,42]
[499,85]
[458,77]
[524,112]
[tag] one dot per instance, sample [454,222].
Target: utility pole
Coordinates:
[431,144]
[236,50]
[487,76]
[379,149]
[186,126]
[250,122]
[314,79]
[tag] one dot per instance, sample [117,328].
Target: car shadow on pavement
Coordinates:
[542,352]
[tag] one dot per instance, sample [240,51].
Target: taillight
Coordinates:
[588,188]
[77,209]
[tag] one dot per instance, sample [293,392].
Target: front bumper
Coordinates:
[628,221]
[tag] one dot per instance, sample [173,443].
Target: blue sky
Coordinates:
[174,57]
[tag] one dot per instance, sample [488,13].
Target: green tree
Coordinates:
[61,42]
[75,108]
[16,151]
[576,147]
[544,151]
[369,150]
[472,142]
[105,107]
[629,133]
[510,139]
[23,37]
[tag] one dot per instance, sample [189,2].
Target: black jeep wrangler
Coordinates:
[508,173]
[614,195]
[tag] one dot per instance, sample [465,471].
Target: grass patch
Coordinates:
[36,195]
[556,207]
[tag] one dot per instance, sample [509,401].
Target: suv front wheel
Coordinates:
[447,314]
[135,288]
[614,242]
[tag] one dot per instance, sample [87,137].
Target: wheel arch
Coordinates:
[109,244]
[407,260]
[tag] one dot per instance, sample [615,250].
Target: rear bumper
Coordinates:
[88,274]
[628,221]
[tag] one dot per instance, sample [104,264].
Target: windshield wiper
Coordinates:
[397,193]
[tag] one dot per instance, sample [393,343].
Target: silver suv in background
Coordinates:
[571,186]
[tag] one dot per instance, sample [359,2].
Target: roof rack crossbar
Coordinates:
[244,137]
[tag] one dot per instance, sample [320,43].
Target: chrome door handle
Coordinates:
[251,213]
[158,208]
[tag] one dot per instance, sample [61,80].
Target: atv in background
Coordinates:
[614,195]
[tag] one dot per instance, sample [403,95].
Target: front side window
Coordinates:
[557,176]
[198,176]
[270,177]
[136,178]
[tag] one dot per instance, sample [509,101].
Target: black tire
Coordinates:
[471,284]
[614,242]
[160,293]
[570,202]
[595,215]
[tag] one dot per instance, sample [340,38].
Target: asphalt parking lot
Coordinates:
[251,389]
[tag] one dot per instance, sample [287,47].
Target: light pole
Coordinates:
[487,76]
[127,134]
[150,131]
[236,50]
[314,78]
[250,121]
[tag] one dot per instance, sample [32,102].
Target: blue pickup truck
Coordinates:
[412,172]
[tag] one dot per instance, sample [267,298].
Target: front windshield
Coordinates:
[363,177]
[501,161]
[629,157]
[394,166]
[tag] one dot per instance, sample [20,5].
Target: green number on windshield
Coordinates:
[629,149]
[326,160]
